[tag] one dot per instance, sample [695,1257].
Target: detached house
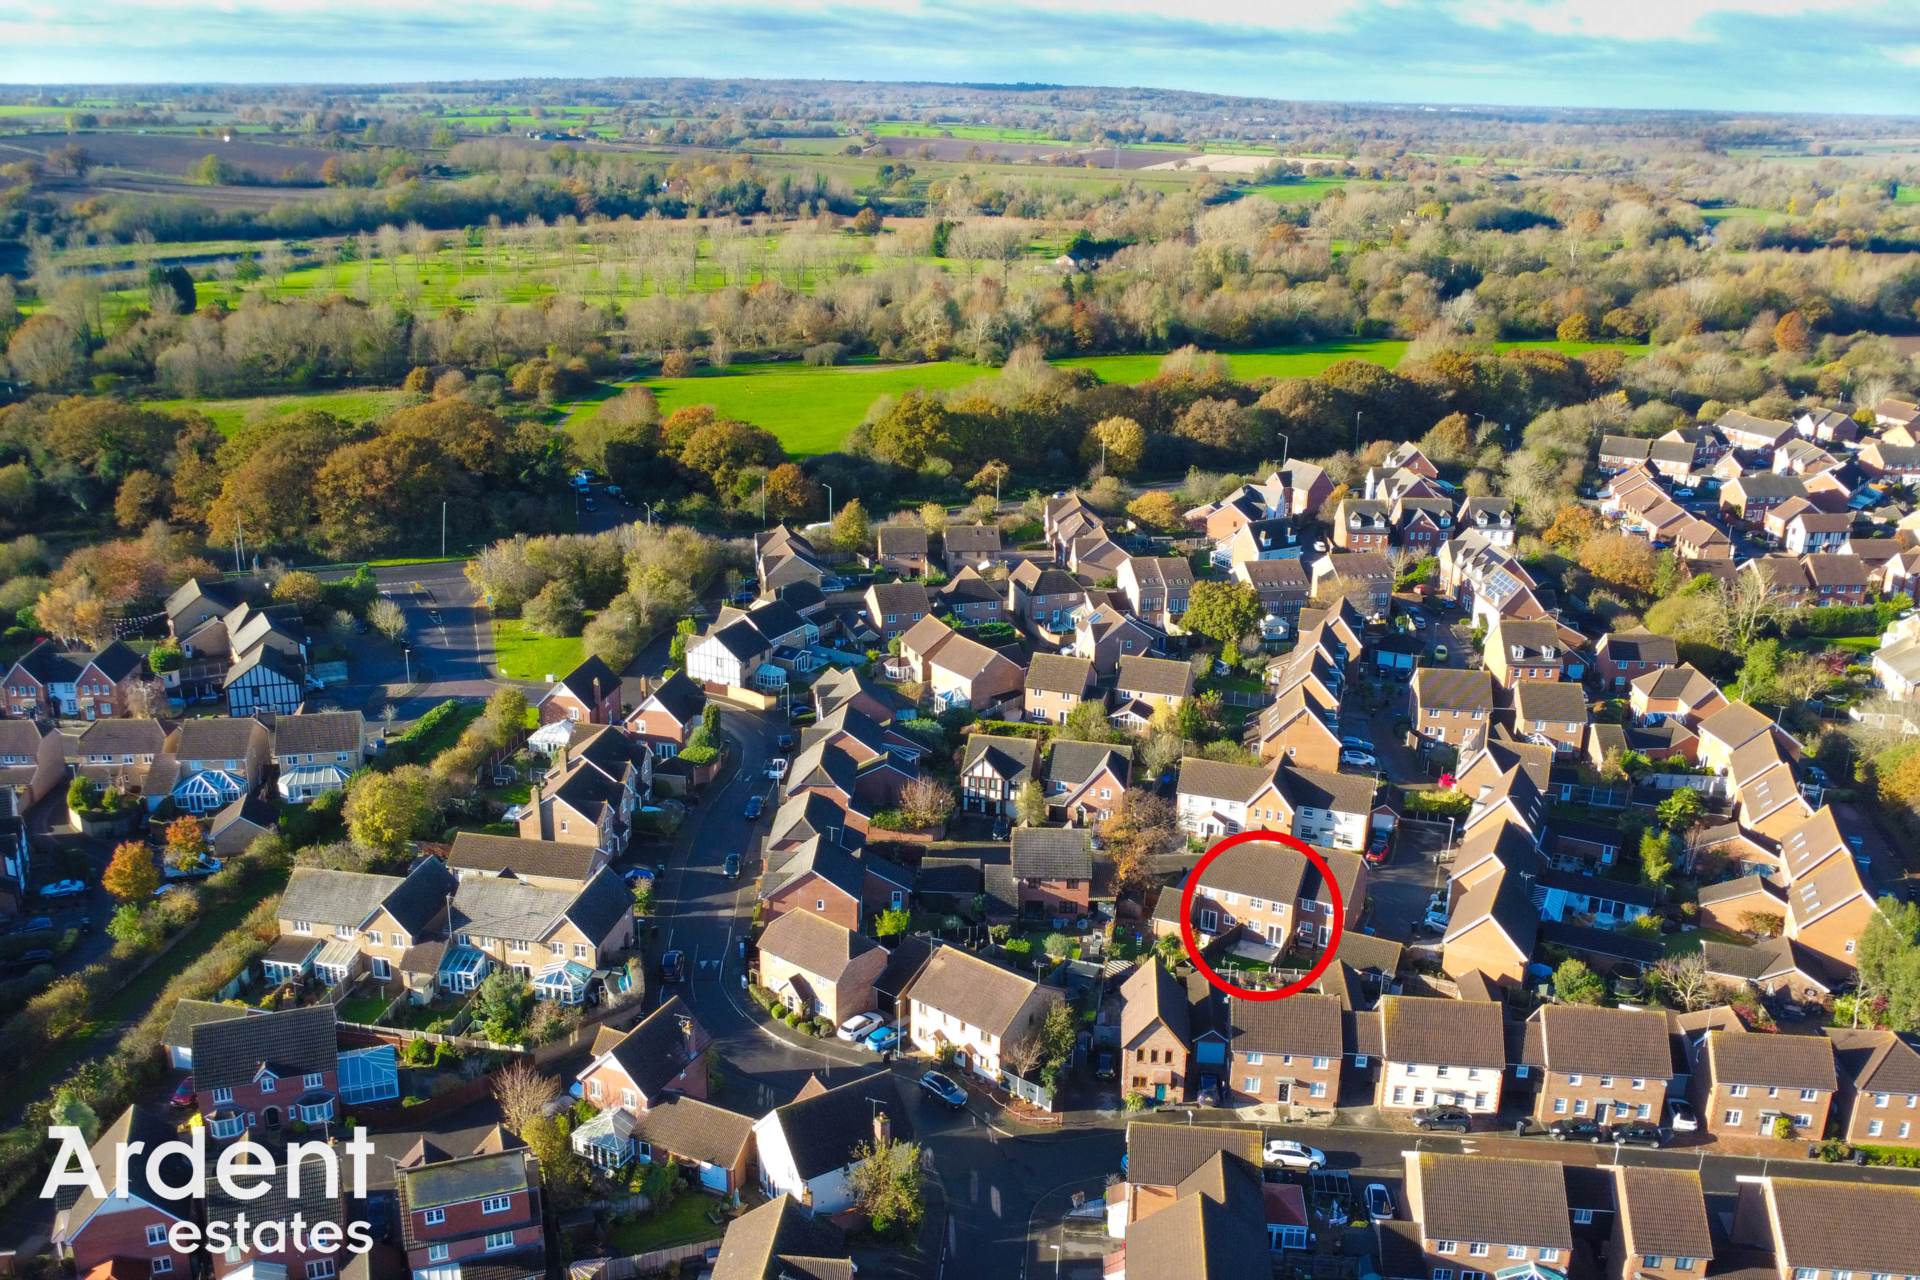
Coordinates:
[267,1072]
[1660,1229]
[317,752]
[1156,587]
[1052,872]
[972,1009]
[1364,578]
[220,760]
[808,1148]
[40,684]
[1156,1049]
[993,770]
[959,672]
[969,546]
[635,1070]
[893,607]
[131,1221]
[1451,708]
[666,716]
[1531,649]
[820,968]
[1042,598]
[477,1210]
[1438,1052]
[1362,525]
[1485,1215]
[589,694]
[1282,585]
[1216,799]
[1879,1075]
[1552,713]
[1144,685]
[972,599]
[1611,1064]
[818,875]
[1744,1083]
[1086,781]
[1269,895]
[1620,658]
[902,549]
[1055,685]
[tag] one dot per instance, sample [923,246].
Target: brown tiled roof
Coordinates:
[1164,1155]
[1857,1226]
[1787,1062]
[1165,676]
[1307,1024]
[1876,1061]
[976,991]
[1455,1032]
[1449,689]
[1219,780]
[1662,1211]
[814,943]
[1059,673]
[1151,994]
[1554,700]
[1493,1200]
[1581,1038]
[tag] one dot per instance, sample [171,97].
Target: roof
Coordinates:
[1586,1039]
[1490,1198]
[1787,1062]
[1307,1023]
[1073,762]
[1058,673]
[291,1042]
[188,1014]
[1254,869]
[319,731]
[901,539]
[778,1238]
[215,738]
[814,943]
[458,1181]
[328,897]
[1166,677]
[1199,1236]
[1053,853]
[552,859]
[1160,1154]
[136,1124]
[1221,781]
[1152,994]
[659,1047]
[694,1129]
[1448,687]
[1011,758]
[969,538]
[1876,1061]
[975,991]
[1319,789]
[1662,1211]
[122,736]
[824,1129]
[1454,1032]
[1845,1225]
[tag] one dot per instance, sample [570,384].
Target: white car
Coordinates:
[857,1027]
[63,889]
[1359,759]
[1680,1117]
[1435,919]
[1281,1153]
[777,768]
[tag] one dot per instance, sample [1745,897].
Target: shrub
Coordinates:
[825,353]
[1133,1102]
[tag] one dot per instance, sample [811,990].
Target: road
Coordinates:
[448,658]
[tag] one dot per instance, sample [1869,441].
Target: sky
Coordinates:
[1857,56]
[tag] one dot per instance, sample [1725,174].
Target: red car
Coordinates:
[1379,844]
[183,1093]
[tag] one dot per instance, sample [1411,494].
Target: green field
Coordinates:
[358,405]
[523,655]
[1904,194]
[1770,217]
[1307,190]
[980,132]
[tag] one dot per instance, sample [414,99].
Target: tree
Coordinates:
[790,494]
[142,497]
[1171,949]
[1889,958]
[556,611]
[386,617]
[1030,804]
[851,531]
[1574,328]
[501,1004]
[1059,1031]
[1619,559]
[1142,828]
[1746,608]
[886,1184]
[1157,509]
[866,222]
[185,842]
[1680,811]
[386,811]
[910,430]
[302,590]
[46,352]
[1088,722]
[991,475]
[1686,981]
[523,1094]
[1790,333]
[1656,856]
[1573,525]
[926,802]
[1222,611]
[131,876]
[563,1174]
[69,1109]
[1056,946]
[1119,442]
[134,926]
[891,923]
[1575,983]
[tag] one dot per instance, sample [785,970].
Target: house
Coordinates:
[1439,1052]
[1156,1048]
[555,938]
[219,760]
[1287,1052]
[972,599]
[902,549]
[544,864]
[1161,1157]
[893,607]
[1492,925]
[970,546]
[820,876]
[316,752]
[992,771]
[968,1010]
[1282,585]
[1733,904]
[959,672]
[1450,708]
[1362,525]
[267,1072]
[590,797]
[808,1148]
[782,557]
[234,829]
[1879,1075]
[819,968]
[480,1209]
[1269,895]
[1364,578]
[266,1255]
[1893,462]
[1812,529]
[1745,431]
[1055,685]
[1827,425]
[1896,663]
[1257,540]
[589,694]
[1224,1221]
[1812,1229]
[667,715]
[330,921]
[104,687]
[754,648]
[1660,1229]
[1773,966]
[266,680]
[1531,649]
[1552,713]
[661,1054]
[1620,658]
[33,758]
[1490,517]
[1695,539]
[1216,799]
[780,1239]
[1152,683]
[1681,692]
[1746,1083]
[1106,635]
[1042,598]
[40,685]
[1156,588]
[1487,1214]
[1052,871]
[712,1144]
[1086,782]
[1611,1064]
[1750,496]
[1836,578]
[132,1219]
[1298,727]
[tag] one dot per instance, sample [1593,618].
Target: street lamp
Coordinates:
[1286,446]
[829,489]
[406,656]
[1356,429]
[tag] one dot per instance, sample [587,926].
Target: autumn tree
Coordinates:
[142,497]
[1157,509]
[886,1182]
[1572,527]
[926,801]
[1143,827]
[1620,560]
[1686,981]
[851,530]
[1117,443]
[131,876]
[991,475]
[300,589]
[1030,804]
[523,1093]
[1790,334]
[910,430]
[1222,611]
[386,811]
[185,842]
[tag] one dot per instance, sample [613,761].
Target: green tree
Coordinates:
[851,530]
[1222,611]
[301,590]
[1030,804]
[1656,856]
[69,1108]
[891,923]
[501,1005]
[1170,948]
[1119,441]
[563,1174]
[1889,959]
[556,611]
[385,811]
[1575,983]
[1680,811]
[911,429]
[887,1186]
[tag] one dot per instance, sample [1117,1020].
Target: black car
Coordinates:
[1454,1118]
[1001,829]
[784,742]
[673,967]
[1637,1133]
[1104,1067]
[1577,1129]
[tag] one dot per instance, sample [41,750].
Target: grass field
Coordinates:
[978,132]
[1905,194]
[1771,217]
[682,1222]
[1307,190]
[358,405]
[522,655]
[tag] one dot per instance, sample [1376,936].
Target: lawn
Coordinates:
[364,1010]
[358,405]
[523,655]
[978,132]
[1307,190]
[1770,217]
[682,1222]
[1906,194]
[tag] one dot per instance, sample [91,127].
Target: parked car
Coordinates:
[1359,759]
[883,1038]
[1379,846]
[777,768]
[944,1090]
[673,967]
[1379,1202]
[35,925]
[31,957]
[63,889]
[784,742]
[1104,1066]
[1432,1118]
[1001,830]
[730,868]
[182,1094]
[1439,653]
[858,1026]
[1435,920]
[1680,1117]
[1637,1133]
[756,805]
[1577,1129]
[1283,1153]
[1353,743]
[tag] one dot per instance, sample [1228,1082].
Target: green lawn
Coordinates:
[1770,217]
[358,405]
[362,1009]
[682,1222]
[1307,190]
[978,132]
[523,655]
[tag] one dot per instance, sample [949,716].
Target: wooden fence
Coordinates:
[639,1264]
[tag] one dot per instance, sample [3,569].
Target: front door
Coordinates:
[1159,1093]
[1283,1091]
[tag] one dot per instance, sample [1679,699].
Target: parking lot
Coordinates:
[1397,892]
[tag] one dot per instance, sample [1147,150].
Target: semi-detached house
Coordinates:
[1611,1064]
[1321,808]
[1439,1052]
[969,1010]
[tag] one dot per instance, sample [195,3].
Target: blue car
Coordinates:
[882,1039]
[755,806]
[944,1090]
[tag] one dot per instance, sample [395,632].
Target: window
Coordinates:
[1639,1083]
[1548,1254]
[303,926]
[1579,1106]
[437,1252]
[1516,1251]
[1880,1099]
[1479,1249]
[1650,1259]
[313,1080]
[434,1217]
[1873,1128]
[373,937]
[496,1204]
[1255,1059]
[1606,1082]
[1444,1246]
[320,1269]
[1559,1106]
[628,1099]
[156,1234]
[1443,1273]
[1250,1084]
[161,1266]
[499,1240]
[1731,1118]
[1808,1095]
[268,1084]
[222,1095]
[1582,1217]
[1575,1078]
[1737,1091]
[1320,1064]
[229,1127]
[1683,1264]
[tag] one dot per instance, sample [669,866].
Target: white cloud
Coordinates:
[1641,20]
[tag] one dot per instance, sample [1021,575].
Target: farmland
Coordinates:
[1307,190]
[358,405]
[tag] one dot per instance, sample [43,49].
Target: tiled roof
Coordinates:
[976,991]
[1052,853]
[1585,1039]
[1787,1062]
[814,943]
[1160,1154]
[1429,1029]
[1662,1211]
[1492,1199]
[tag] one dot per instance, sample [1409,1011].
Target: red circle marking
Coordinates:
[1312,975]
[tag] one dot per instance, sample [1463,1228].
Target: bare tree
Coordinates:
[1746,607]
[1687,978]
[387,618]
[523,1094]
[1022,1057]
[146,699]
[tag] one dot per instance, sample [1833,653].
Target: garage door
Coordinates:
[713,1177]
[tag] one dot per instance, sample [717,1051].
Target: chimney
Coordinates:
[686,1033]
[594,715]
[882,1127]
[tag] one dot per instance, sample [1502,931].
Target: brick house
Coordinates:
[1552,713]
[902,549]
[1743,1082]
[1437,1052]
[103,688]
[1108,635]
[1361,524]
[1482,1214]
[1055,685]
[969,546]
[893,607]
[1660,1229]
[1052,871]
[263,1074]
[1622,657]
[667,715]
[589,694]
[1611,1064]
[40,685]
[1682,692]
[1156,587]
[1156,1051]
[958,671]
[1365,578]
[972,599]
[1836,578]
[1298,727]
[1451,708]
[1042,598]
[972,1009]
[1879,1077]
[821,877]
[1282,585]
[1813,1229]
[818,967]
[1268,893]
[1286,1051]
[1086,782]
[316,752]
[1161,1157]
[129,1222]
[1528,649]
[1152,683]
[635,1069]
[481,1208]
